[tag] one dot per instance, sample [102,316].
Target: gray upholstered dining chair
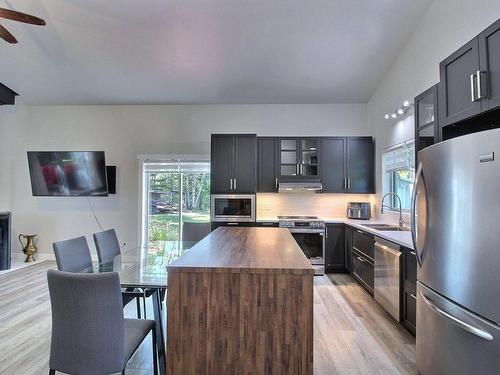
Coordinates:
[89,333]
[108,246]
[72,255]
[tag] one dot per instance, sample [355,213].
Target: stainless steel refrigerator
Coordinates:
[456,235]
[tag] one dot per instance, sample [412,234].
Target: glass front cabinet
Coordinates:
[298,158]
[426,120]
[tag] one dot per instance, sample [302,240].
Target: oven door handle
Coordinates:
[321,232]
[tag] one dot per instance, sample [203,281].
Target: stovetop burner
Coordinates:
[297,217]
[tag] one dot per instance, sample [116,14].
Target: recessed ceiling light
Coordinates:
[394,115]
[401,111]
[387,116]
[406,103]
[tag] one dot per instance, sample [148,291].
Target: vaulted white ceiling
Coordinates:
[205,51]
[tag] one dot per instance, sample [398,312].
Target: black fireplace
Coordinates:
[5,243]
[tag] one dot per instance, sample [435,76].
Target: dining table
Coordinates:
[145,267]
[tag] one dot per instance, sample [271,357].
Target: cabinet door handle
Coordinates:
[231,183]
[297,170]
[276,183]
[234,184]
[479,76]
[345,183]
[348,184]
[473,87]
[326,232]
[413,253]
[361,259]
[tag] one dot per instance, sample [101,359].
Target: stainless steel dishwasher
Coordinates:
[387,280]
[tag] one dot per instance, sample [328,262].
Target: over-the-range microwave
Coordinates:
[232,208]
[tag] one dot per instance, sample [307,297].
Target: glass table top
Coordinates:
[144,267]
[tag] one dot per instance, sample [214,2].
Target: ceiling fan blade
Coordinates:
[5,35]
[21,17]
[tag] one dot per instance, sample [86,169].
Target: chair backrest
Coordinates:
[72,255]
[195,231]
[87,323]
[107,245]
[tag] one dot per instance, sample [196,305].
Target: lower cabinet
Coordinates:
[409,298]
[348,248]
[363,270]
[334,248]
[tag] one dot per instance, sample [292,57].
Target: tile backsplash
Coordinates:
[322,205]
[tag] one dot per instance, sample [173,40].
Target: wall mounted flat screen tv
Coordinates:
[68,173]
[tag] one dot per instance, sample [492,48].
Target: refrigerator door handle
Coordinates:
[414,238]
[466,326]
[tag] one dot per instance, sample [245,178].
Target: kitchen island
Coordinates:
[241,302]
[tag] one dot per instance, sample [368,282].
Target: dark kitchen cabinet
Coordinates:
[426,120]
[457,88]
[409,283]
[489,67]
[333,166]
[334,248]
[348,248]
[298,158]
[363,270]
[233,163]
[363,242]
[267,162]
[360,165]
[347,164]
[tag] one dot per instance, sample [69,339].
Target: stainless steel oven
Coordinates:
[309,233]
[232,208]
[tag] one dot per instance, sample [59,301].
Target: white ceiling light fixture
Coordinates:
[401,111]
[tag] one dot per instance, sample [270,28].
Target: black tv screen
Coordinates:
[67,173]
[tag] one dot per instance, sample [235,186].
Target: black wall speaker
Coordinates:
[5,244]
[111,175]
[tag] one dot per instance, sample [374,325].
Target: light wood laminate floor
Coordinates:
[352,333]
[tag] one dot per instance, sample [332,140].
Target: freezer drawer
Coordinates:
[452,340]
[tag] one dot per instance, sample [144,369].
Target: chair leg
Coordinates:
[123,372]
[138,303]
[144,304]
[52,372]
[155,352]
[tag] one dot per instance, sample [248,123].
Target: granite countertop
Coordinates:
[400,238]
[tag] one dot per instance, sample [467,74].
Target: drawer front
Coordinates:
[363,242]
[410,271]
[270,224]
[410,311]
[363,270]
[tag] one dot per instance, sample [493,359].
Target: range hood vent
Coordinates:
[303,186]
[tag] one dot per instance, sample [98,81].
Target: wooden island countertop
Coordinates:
[241,302]
[245,249]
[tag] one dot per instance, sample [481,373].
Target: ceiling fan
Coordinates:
[19,17]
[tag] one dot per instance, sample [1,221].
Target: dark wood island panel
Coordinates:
[241,302]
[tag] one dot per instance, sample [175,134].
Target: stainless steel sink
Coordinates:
[385,227]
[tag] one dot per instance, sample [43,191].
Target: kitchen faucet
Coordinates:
[401,222]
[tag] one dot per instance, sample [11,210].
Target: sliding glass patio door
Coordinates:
[176,195]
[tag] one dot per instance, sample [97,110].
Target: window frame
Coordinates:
[390,181]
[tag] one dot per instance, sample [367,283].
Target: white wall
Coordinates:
[124,132]
[446,26]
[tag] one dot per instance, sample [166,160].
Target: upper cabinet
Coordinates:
[298,158]
[426,120]
[267,165]
[233,163]
[489,66]
[458,84]
[470,78]
[347,165]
